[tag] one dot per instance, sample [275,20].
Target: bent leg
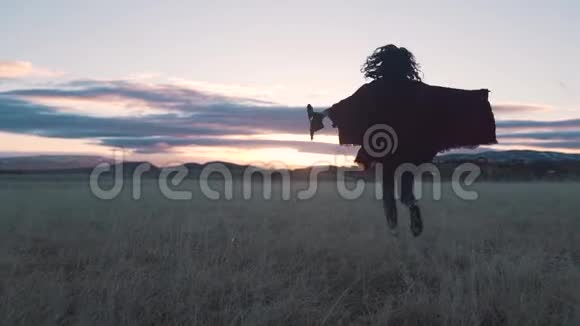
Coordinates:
[408,199]
[407,195]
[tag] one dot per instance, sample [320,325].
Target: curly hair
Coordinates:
[391,62]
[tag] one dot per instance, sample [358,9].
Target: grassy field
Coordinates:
[510,258]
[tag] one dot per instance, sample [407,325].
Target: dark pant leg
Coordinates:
[407,182]
[408,199]
[389,202]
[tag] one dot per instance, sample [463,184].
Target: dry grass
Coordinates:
[510,258]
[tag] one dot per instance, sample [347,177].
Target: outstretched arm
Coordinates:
[315,119]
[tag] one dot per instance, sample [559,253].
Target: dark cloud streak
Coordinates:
[196,118]
[524,124]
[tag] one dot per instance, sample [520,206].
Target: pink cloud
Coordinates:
[21,69]
[517,108]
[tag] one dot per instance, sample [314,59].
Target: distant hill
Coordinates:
[513,155]
[50,162]
[496,165]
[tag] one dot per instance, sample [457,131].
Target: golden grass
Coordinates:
[510,258]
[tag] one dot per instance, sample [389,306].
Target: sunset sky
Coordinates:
[175,81]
